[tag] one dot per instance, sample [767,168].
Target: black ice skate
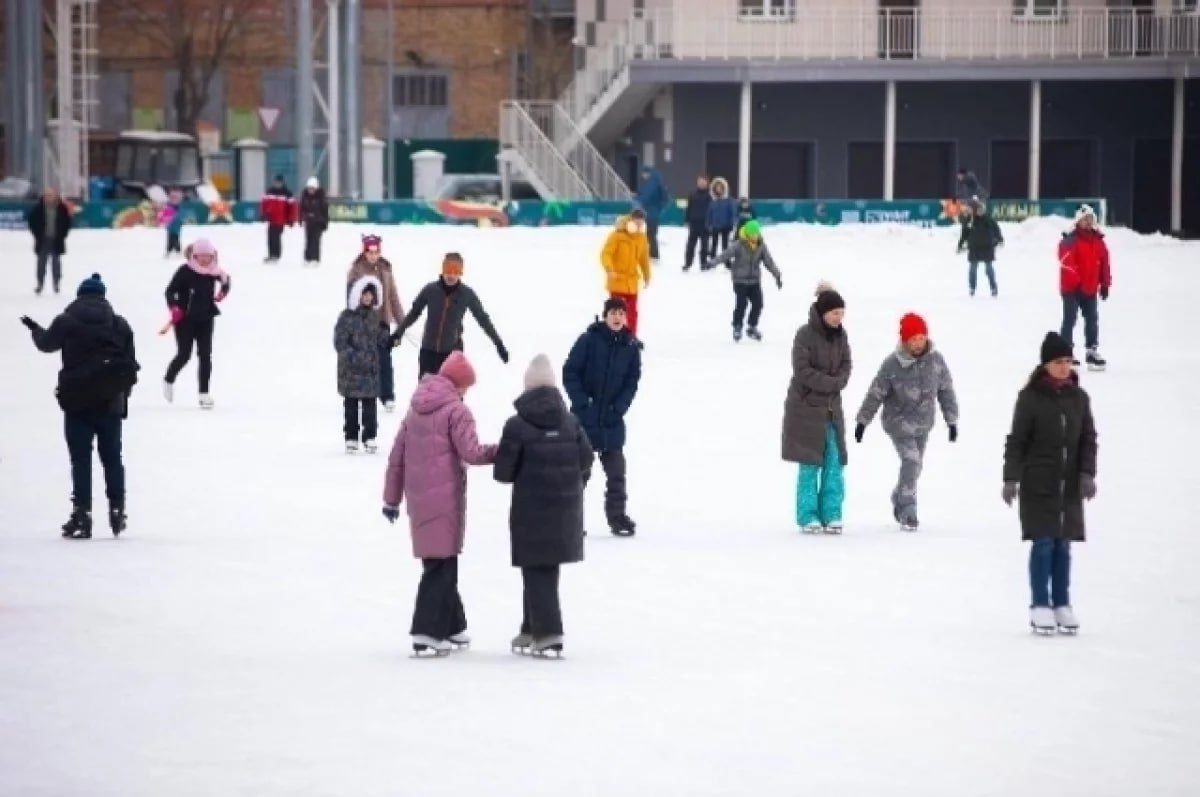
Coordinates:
[753,333]
[116,520]
[622,526]
[428,647]
[78,526]
[1094,361]
[737,334]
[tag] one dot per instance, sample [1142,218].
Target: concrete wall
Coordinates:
[969,115]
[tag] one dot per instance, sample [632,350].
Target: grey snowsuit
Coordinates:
[907,387]
[745,264]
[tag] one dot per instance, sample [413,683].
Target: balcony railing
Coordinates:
[913,34]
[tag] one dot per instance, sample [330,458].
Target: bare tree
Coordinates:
[197,36]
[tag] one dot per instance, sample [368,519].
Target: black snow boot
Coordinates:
[622,526]
[79,525]
[116,519]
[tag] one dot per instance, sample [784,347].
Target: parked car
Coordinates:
[482,188]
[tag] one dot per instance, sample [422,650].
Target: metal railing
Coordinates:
[1074,34]
[602,180]
[520,133]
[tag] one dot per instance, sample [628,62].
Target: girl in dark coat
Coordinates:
[814,428]
[192,296]
[544,453]
[1050,464]
[358,337]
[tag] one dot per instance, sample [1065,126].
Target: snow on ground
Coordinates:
[249,633]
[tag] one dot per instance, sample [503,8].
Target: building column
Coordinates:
[889,141]
[333,97]
[304,92]
[14,43]
[1035,140]
[1177,157]
[744,136]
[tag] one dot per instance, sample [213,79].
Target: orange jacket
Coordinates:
[626,259]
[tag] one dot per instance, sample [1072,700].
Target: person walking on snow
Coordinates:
[371,263]
[545,455]
[745,260]
[360,339]
[314,215]
[426,467]
[980,237]
[193,294]
[722,215]
[99,370]
[910,381]
[1084,274]
[1050,470]
[601,377]
[278,209]
[49,222]
[814,428]
[653,198]
[626,260]
[696,218]
[449,299]
[171,219]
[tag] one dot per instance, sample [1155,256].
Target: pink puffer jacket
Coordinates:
[426,468]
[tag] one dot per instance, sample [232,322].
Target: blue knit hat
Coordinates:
[92,286]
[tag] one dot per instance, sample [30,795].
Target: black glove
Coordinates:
[391,513]
[1087,486]
[1104,294]
[503,352]
[859,430]
[1009,493]
[954,433]
[779,283]
[29,323]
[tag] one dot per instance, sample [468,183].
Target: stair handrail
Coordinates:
[521,132]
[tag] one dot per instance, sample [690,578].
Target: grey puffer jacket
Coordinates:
[821,366]
[908,388]
[745,262]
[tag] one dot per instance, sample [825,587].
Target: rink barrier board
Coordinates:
[922,213]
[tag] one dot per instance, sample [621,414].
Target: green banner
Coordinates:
[922,213]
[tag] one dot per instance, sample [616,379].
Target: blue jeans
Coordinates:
[80,428]
[652,235]
[1050,572]
[821,489]
[991,274]
[1073,305]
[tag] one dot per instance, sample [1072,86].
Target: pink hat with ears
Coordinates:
[458,370]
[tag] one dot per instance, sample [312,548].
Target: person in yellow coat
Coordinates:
[626,260]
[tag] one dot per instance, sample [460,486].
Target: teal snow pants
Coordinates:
[820,489]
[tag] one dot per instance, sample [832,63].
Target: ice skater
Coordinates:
[314,215]
[722,216]
[626,260]
[980,237]
[360,337]
[171,219]
[814,428]
[426,467]
[49,222]
[371,263]
[910,382]
[1050,470]
[193,294]
[545,455]
[745,261]
[1085,273]
[278,209]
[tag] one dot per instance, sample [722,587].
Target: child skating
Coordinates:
[193,294]
[745,261]
[171,218]
[358,338]
[912,380]
[1050,470]
[427,469]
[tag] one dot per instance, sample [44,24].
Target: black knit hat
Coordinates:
[1054,347]
[92,286]
[829,299]
[614,304]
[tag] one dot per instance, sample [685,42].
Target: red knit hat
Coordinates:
[372,242]
[912,325]
[458,370]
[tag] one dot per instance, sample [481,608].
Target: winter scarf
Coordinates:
[213,269]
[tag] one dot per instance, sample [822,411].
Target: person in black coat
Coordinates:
[1050,467]
[745,212]
[99,370]
[696,218]
[314,215]
[980,237]
[49,222]
[193,294]
[601,377]
[544,453]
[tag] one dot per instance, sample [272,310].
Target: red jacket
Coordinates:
[278,207]
[1083,263]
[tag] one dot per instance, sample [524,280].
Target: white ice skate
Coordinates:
[833,527]
[1041,620]
[548,647]
[168,391]
[521,643]
[206,402]
[389,406]
[460,641]
[426,646]
[351,446]
[370,446]
[1064,617]
[812,528]
[1094,361]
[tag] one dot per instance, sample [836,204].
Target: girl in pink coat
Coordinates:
[426,466]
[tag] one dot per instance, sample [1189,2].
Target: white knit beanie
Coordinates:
[540,373]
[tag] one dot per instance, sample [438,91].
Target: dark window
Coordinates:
[923,170]
[601,11]
[420,90]
[767,9]
[864,170]
[1039,8]
[1010,170]
[589,34]
[1068,169]
[778,169]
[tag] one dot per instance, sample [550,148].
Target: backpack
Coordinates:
[98,382]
